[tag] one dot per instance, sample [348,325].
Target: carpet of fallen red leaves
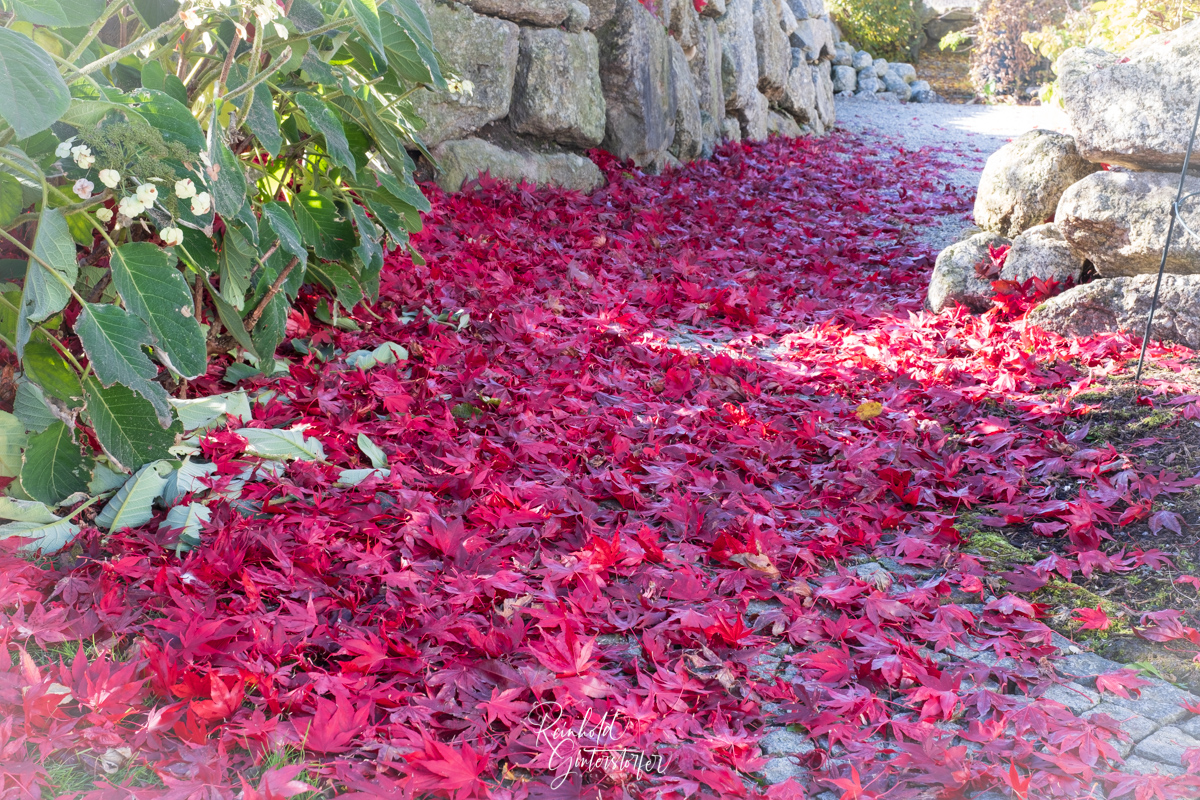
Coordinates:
[660,411]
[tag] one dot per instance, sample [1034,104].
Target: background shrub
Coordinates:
[884,28]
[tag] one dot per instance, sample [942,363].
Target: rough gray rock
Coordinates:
[635,71]
[1041,252]
[1136,108]
[881,67]
[739,55]
[906,71]
[557,94]
[953,19]
[1023,181]
[955,279]
[688,143]
[779,770]
[713,9]
[861,60]
[579,17]
[546,13]
[894,83]
[466,159]
[843,53]
[782,125]
[1119,220]
[479,49]
[800,96]
[919,86]
[706,75]
[1166,746]
[808,9]
[774,53]
[1136,765]
[924,95]
[845,79]
[683,23]
[1121,304]
[823,82]
[1075,697]
[731,129]
[600,12]
[782,742]
[868,82]
[753,118]
[815,38]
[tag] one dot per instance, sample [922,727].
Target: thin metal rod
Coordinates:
[1187,157]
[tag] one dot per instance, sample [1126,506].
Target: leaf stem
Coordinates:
[94,31]
[257,313]
[166,29]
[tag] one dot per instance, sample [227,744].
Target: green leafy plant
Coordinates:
[170,176]
[885,28]
[1001,62]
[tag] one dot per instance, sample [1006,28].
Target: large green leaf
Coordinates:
[237,264]
[322,117]
[322,225]
[126,426]
[229,187]
[305,16]
[32,93]
[50,274]
[284,225]
[187,520]
[12,442]
[59,13]
[54,468]
[372,451]
[231,319]
[410,58]
[367,14]
[271,443]
[31,408]
[413,17]
[203,413]
[369,249]
[262,122]
[10,199]
[154,290]
[272,325]
[405,191]
[46,367]
[114,340]
[48,537]
[155,12]
[25,511]
[172,118]
[190,477]
[133,505]
[338,278]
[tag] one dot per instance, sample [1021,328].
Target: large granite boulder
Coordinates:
[1122,304]
[546,13]
[845,79]
[774,53]
[739,55]
[1022,181]
[688,143]
[823,81]
[894,83]
[467,159]
[1134,109]
[800,95]
[706,75]
[557,94]
[753,118]
[683,23]
[1118,221]
[815,38]
[599,12]
[479,49]
[1041,252]
[868,82]
[635,71]
[807,9]
[957,277]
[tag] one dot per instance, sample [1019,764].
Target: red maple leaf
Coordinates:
[1120,682]
[1093,619]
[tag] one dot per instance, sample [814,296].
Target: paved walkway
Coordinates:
[966,134]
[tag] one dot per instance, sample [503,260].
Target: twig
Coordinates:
[257,313]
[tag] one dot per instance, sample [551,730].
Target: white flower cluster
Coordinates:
[145,195]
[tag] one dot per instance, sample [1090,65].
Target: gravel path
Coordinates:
[966,134]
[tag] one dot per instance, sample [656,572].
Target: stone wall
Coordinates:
[544,81]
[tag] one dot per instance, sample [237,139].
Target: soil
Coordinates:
[1166,440]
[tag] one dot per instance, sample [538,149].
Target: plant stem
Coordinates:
[257,313]
[166,29]
[94,31]
[229,56]
[249,86]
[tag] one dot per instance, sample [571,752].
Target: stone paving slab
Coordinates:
[1074,696]
[1084,667]
[1160,702]
[1191,727]
[1166,745]
[1137,726]
[1137,765]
